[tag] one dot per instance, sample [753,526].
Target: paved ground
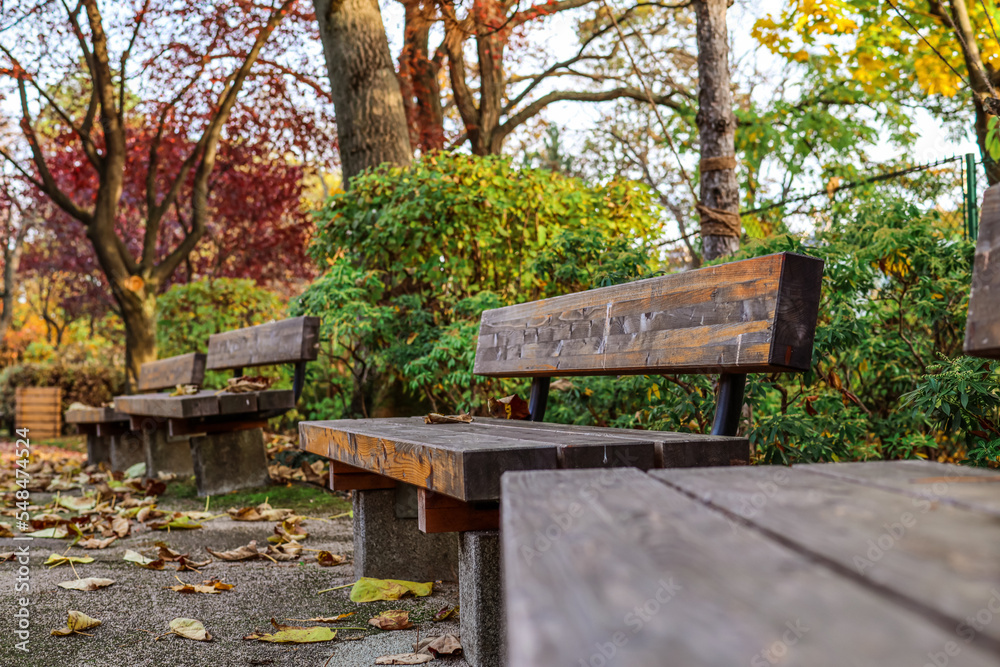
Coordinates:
[137,607]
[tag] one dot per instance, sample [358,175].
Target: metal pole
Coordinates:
[971,205]
[729,406]
[539,397]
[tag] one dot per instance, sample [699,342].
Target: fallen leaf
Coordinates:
[393,619]
[5,530]
[437,646]
[404,659]
[241,553]
[58,532]
[367,589]
[246,383]
[58,559]
[139,559]
[88,584]
[6,556]
[323,619]
[190,628]
[78,621]
[184,390]
[76,503]
[194,588]
[94,543]
[327,559]
[284,552]
[185,564]
[435,418]
[177,522]
[317,633]
[445,612]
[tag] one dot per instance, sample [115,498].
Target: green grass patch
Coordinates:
[74,443]
[305,499]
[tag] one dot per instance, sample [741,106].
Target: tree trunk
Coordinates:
[418,76]
[720,202]
[138,312]
[12,259]
[371,117]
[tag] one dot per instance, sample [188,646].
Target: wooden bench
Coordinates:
[757,315]
[226,450]
[105,428]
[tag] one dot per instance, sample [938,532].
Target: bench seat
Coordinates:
[879,563]
[206,403]
[465,461]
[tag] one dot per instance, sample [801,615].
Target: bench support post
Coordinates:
[229,461]
[729,406]
[98,448]
[389,545]
[165,454]
[481,598]
[126,450]
[538,398]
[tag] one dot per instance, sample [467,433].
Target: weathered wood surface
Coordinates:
[348,478]
[977,489]
[38,409]
[94,415]
[754,315]
[217,424]
[465,461]
[982,327]
[934,557]
[612,567]
[206,403]
[437,513]
[172,371]
[286,341]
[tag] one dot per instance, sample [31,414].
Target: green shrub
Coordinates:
[414,255]
[190,313]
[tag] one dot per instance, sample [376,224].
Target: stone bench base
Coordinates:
[126,450]
[388,544]
[481,598]
[98,449]
[167,455]
[229,461]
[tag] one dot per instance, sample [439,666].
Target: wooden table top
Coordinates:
[878,564]
[465,461]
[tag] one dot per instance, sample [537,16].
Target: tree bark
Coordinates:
[371,117]
[11,262]
[418,77]
[719,192]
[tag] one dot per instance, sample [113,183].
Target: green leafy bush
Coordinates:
[414,255]
[190,313]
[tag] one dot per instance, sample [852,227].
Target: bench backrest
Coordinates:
[293,341]
[170,372]
[755,315]
[982,329]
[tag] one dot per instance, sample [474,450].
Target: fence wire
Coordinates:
[953,187]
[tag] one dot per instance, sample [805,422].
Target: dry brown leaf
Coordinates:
[327,559]
[393,619]
[120,526]
[437,646]
[77,622]
[445,612]
[190,628]
[241,553]
[247,383]
[435,418]
[284,552]
[508,407]
[94,543]
[88,584]
[5,530]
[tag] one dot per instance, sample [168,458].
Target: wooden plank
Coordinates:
[982,326]
[236,403]
[606,568]
[170,372]
[286,341]
[204,403]
[976,489]
[179,427]
[37,392]
[344,477]
[102,429]
[437,513]
[94,415]
[935,558]
[454,459]
[754,315]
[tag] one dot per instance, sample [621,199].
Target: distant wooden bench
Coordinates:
[39,409]
[757,315]
[227,451]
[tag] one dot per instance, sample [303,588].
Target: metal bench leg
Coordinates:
[98,448]
[481,598]
[166,455]
[229,461]
[126,450]
[388,544]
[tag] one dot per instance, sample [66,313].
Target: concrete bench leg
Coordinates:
[229,461]
[481,598]
[126,450]
[388,544]
[166,455]
[98,449]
